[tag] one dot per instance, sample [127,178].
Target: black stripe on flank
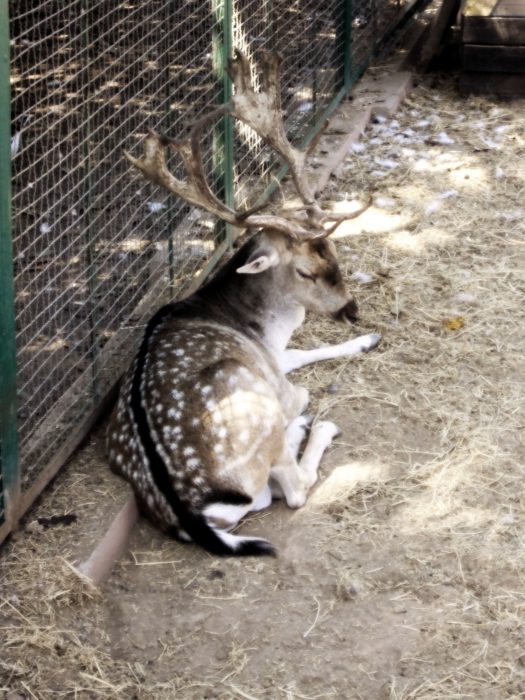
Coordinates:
[194,524]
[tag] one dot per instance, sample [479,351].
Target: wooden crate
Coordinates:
[493,34]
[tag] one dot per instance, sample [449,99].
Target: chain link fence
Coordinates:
[95,248]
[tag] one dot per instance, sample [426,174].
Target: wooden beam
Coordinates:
[442,20]
[5,529]
[502,85]
[112,546]
[501,31]
[494,59]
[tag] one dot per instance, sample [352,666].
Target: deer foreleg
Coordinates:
[320,438]
[296,433]
[293,359]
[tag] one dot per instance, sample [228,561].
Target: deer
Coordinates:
[207,427]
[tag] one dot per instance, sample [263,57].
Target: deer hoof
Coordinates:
[370,341]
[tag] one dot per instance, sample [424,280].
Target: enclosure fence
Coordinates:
[88,250]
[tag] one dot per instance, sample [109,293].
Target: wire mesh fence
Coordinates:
[97,249]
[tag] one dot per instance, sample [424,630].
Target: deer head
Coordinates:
[262,112]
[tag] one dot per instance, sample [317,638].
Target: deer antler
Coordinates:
[195,189]
[262,112]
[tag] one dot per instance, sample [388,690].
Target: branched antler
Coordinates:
[262,112]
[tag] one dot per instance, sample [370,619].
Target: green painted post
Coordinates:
[313,37]
[87,216]
[223,135]
[347,44]
[168,122]
[8,403]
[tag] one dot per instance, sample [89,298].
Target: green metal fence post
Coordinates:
[168,121]
[313,37]
[347,44]
[87,214]
[223,135]
[8,403]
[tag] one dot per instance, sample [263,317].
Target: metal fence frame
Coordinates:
[13,502]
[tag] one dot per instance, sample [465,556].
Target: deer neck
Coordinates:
[259,306]
[281,320]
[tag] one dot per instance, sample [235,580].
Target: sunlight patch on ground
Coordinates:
[418,242]
[469,178]
[344,479]
[374,220]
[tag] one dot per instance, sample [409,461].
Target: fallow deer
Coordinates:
[207,427]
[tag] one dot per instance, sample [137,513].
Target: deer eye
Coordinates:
[305,275]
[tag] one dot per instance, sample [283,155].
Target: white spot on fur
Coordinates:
[188,451]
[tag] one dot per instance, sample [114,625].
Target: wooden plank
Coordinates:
[112,546]
[5,529]
[494,30]
[479,8]
[494,59]
[356,125]
[501,85]
[385,98]
[440,23]
[509,8]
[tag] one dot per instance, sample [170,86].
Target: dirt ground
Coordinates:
[402,577]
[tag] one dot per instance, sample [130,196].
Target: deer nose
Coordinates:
[347,313]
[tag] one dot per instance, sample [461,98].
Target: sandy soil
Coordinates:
[402,578]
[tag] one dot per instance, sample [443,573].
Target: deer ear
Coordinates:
[259,261]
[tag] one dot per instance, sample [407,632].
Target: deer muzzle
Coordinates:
[347,313]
